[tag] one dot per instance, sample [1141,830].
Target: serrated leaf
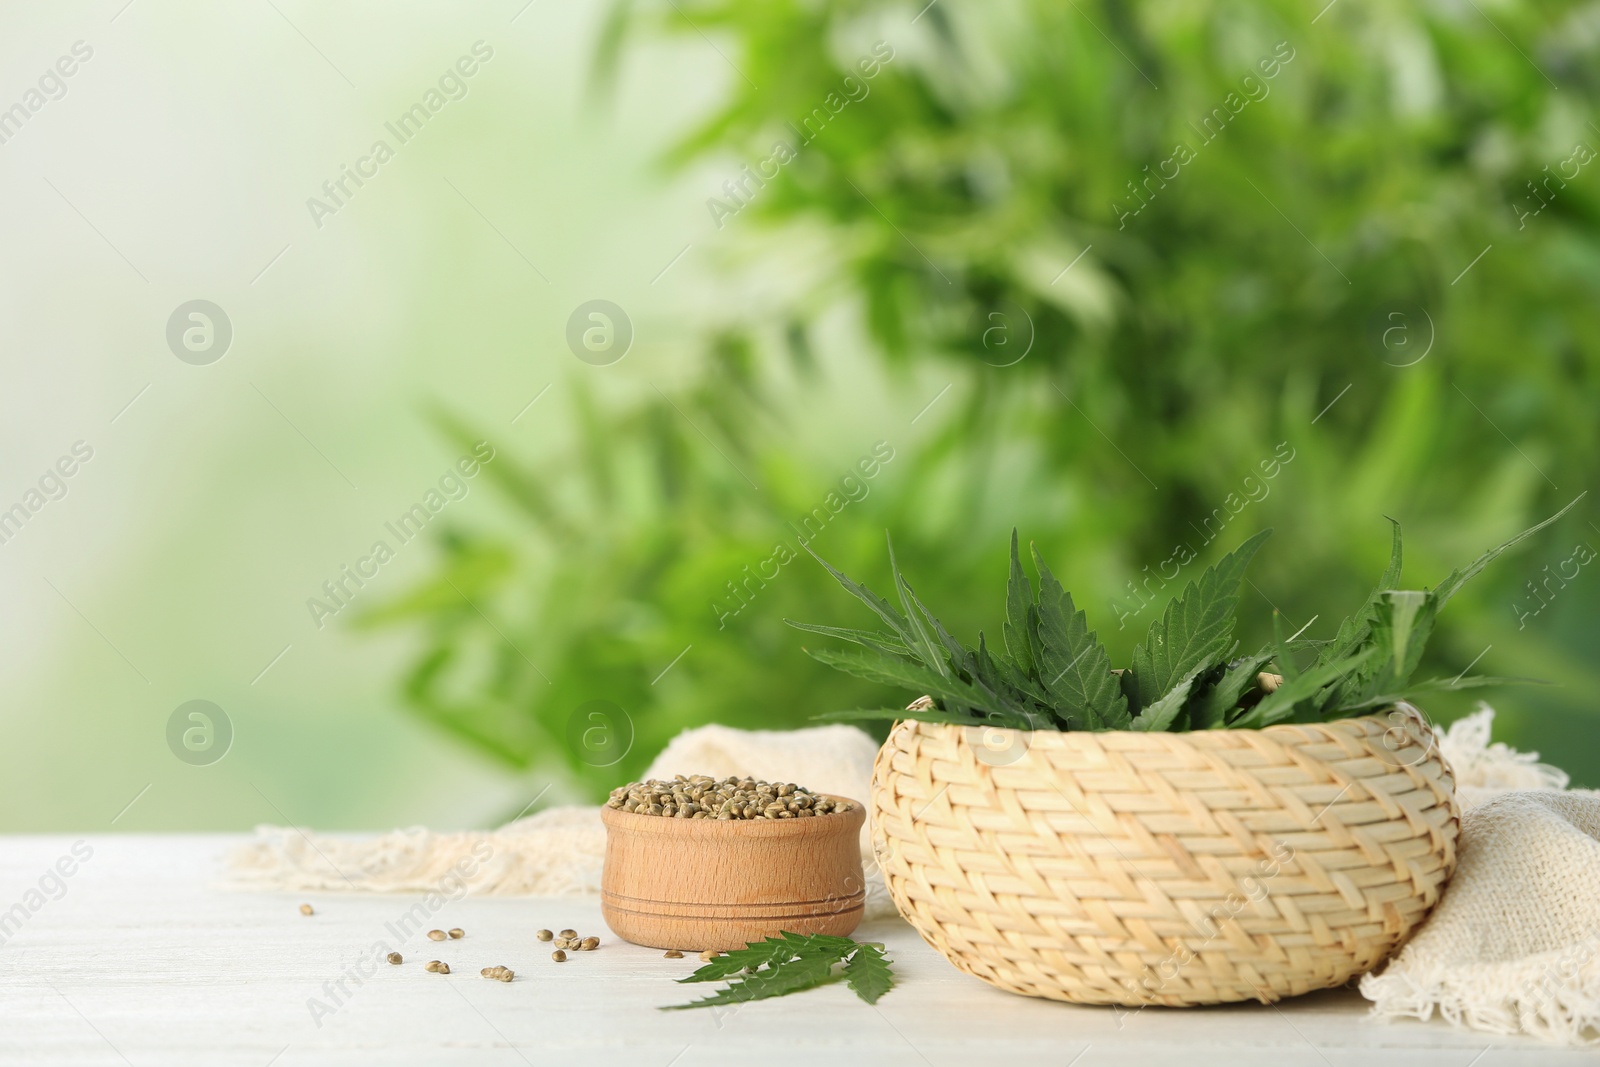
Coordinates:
[1195,631]
[1073,665]
[1019,597]
[889,670]
[1284,655]
[1162,714]
[790,963]
[1401,630]
[957,652]
[776,980]
[1025,690]
[753,956]
[868,973]
[960,718]
[1212,710]
[876,640]
[922,638]
[884,610]
[1402,623]
[1354,631]
[844,944]
[1280,703]
[1459,577]
[1434,685]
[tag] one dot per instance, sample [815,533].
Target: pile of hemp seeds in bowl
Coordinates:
[700,796]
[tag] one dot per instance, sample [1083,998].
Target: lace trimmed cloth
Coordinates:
[559,851]
[1514,944]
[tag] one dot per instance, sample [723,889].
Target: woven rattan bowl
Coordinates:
[1166,868]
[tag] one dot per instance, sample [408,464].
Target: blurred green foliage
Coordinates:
[1359,246]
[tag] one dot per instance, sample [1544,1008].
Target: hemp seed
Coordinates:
[544,935]
[395,958]
[700,796]
[673,954]
[436,935]
[306,909]
[457,933]
[589,944]
[568,933]
[559,955]
[438,967]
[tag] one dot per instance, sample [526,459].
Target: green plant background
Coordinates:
[1341,276]
[1189,344]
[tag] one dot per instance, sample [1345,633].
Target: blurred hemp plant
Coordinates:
[1341,263]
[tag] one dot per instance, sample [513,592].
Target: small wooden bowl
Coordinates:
[720,884]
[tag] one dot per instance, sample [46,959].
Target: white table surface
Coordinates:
[142,961]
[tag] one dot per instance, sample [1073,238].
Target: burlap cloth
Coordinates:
[1513,947]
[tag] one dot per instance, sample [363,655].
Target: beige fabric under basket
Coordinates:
[1166,868]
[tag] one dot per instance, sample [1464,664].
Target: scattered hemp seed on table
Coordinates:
[395,958]
[306,909]
[436,935]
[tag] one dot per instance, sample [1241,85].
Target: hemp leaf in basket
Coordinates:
[1053,672]
[790,963]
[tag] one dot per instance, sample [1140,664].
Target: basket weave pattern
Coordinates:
[1166,868]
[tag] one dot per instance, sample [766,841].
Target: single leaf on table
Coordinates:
[755,955]
[868,972]
[790,963]
[844,944]
[1073,665]
[1195,631]
[791,975]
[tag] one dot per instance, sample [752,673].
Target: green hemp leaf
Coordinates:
[790,963]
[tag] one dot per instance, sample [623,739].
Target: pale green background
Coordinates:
[191,140]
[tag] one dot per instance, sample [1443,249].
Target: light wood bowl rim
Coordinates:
[712,829]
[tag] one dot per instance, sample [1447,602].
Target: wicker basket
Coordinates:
[1166,868]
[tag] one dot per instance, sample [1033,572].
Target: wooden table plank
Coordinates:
[136,958]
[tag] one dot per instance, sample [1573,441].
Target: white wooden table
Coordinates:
[141,961]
